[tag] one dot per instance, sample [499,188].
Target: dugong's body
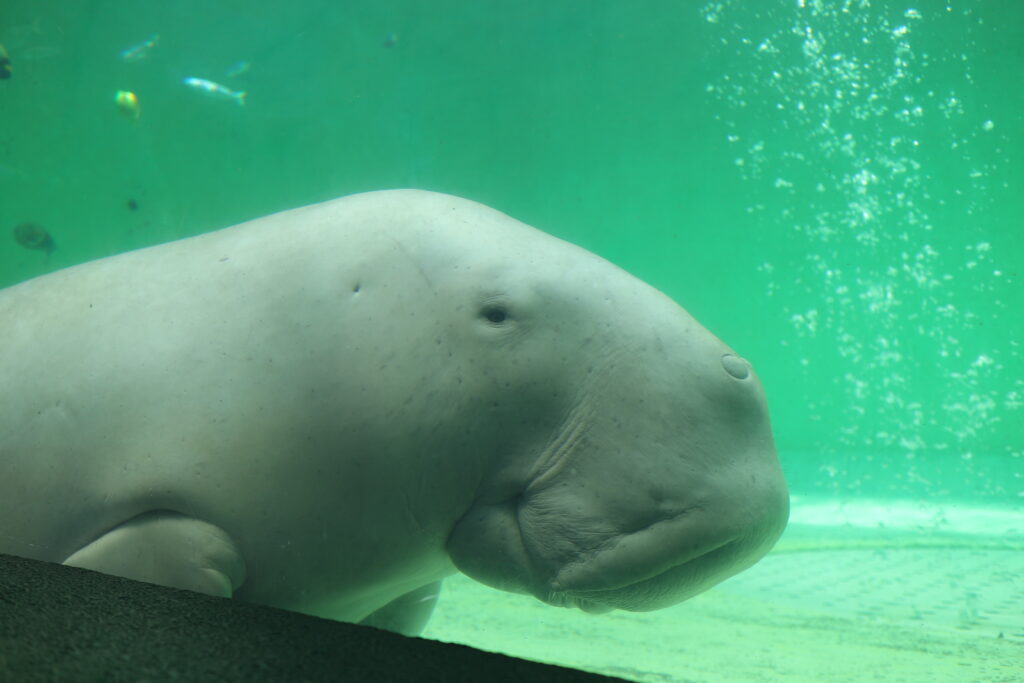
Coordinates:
[331,408]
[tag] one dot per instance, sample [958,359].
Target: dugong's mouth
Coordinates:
[691,576]
[559,545]
[560,599]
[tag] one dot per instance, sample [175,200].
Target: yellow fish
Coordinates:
[128,104]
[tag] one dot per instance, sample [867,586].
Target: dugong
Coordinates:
[330,409]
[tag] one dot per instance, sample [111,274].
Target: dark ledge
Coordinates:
[65,624]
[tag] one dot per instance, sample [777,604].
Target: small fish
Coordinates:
[128,104]
[237,69]
[136,53]
[34,236]
[5,63]
[216,89]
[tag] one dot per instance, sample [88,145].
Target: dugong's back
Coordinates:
[122,376]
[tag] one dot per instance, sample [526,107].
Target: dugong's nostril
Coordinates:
[736,366]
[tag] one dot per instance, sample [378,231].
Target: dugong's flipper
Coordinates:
[169,549]
[407,614]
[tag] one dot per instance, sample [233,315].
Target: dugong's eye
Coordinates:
[494,314]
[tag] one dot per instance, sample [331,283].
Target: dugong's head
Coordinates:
[625,454]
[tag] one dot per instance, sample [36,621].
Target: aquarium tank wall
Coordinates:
[833,187]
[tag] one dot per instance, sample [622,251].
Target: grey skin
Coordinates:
[331,409]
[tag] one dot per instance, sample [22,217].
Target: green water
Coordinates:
[879,150]
[833,187]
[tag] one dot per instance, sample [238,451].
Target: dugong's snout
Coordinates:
[669,561]
[702,499]
[642,509]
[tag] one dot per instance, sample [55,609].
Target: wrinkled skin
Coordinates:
[332,408]
[658,477]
